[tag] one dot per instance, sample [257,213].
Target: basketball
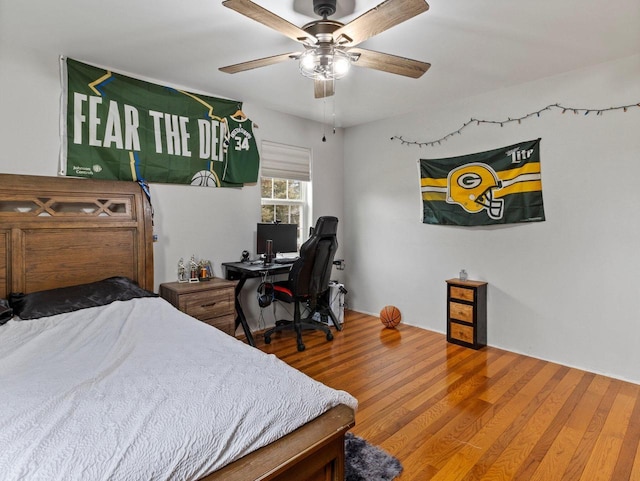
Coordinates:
[390,316]
[204,178]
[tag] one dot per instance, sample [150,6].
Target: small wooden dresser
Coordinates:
[210,301]
[467,313]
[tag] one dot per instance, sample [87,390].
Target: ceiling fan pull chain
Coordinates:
[334,117]
[324,115]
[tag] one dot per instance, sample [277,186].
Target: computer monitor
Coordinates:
[283,236]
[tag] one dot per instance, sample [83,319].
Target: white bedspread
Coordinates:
[137,390]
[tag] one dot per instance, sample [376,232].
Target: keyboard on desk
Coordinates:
[285,260]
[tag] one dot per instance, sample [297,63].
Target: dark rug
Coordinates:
[365,462]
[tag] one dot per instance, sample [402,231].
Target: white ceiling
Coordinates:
[473,46]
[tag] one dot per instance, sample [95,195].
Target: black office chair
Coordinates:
[309,283]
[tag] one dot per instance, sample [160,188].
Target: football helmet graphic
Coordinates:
[471,186]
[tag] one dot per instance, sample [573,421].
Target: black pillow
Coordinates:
[6,312]
[73,298]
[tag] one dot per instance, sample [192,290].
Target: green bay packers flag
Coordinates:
[501,186]
[118,127]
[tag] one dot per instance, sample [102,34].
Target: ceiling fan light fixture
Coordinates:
[324,64]
[341,65]
[308,63]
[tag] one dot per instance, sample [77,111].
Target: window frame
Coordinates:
[304,204]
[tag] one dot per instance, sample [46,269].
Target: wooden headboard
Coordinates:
[60,231]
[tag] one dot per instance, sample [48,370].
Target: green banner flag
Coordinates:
[118,127]
[501,186]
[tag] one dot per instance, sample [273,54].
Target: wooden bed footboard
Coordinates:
[314,452]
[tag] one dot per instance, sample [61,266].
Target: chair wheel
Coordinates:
[267,339]
[329,336]
[301,347]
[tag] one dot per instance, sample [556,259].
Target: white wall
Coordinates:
[215,224]
[565,289]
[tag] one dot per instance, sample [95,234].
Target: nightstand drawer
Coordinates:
[224,323]
[461,312]
[461,332]
[462,293]
[207,304]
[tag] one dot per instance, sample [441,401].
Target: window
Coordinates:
[285,186]
[284,200]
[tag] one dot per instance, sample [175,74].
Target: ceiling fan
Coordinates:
[330,47]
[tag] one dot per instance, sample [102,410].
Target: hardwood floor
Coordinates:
[452,413]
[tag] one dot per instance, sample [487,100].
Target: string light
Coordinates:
[537,113]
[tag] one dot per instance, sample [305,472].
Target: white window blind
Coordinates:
[285,161]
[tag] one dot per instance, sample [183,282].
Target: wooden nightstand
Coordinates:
[467,313]
[209,301]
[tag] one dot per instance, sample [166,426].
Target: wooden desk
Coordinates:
[241,271]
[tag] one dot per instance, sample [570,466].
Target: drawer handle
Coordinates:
[211,304]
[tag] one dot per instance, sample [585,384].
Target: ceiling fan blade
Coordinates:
[386,15]
[323,88]
[261,62]
[390,63]
[270,19]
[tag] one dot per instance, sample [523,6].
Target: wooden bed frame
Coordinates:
[60,231]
